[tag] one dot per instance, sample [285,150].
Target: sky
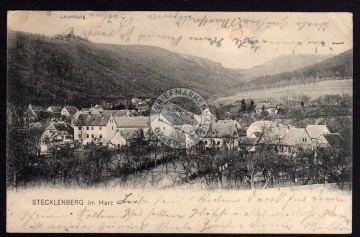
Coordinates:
[234,39]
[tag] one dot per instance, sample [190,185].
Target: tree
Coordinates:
[119,107]
[243,106]
[264,114]
[302,103]
[295,113]
[251,106]
[20,157]
[131,106]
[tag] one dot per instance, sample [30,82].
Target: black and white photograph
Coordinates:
[179,122]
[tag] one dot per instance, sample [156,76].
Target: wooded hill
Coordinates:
[43,70]
[337,67]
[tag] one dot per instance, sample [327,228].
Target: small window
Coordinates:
[79,127]
[92,135]
[100,128]
[218,142]
[100,136]
[112,128]
[87,128]
[79,135]
[92,128]
[87,135]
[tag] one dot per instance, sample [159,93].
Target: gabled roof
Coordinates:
[175,114]
[221,130]
[130,134]
[132,122]
[36,107]
[315,131]
[28,113]
[120,113]
[37,113]
[334,140]
[71,109]
[258,134]
[97,107]
[294,136]
[92,119]
[55,109]
[61,128]
[142,106]
[263,124]
[64,128]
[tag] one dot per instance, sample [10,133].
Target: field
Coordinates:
[313,90]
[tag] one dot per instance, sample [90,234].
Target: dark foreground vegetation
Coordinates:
[218,167]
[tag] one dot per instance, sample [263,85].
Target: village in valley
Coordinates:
[248,145]
[79,114]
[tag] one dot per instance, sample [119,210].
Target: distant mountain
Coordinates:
[69,70]
[208,64]
[336,67]
[283,63]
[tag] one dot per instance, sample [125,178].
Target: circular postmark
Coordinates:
[176,126]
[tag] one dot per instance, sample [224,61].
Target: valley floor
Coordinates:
[313,90]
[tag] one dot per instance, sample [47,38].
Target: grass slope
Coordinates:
[313,90]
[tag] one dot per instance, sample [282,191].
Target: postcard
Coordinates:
[179,122]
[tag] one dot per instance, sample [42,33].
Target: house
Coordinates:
[223,133]
[56,134]
[315,131]
[295,139]
[36,108]
[133,123]
[271,129]
[125,113]
[54,111]
[38,111]
[140,104]
[259,126]
[249,143]
[136,122]
[333,140]
[27,117]
[271,108]
[126,137]
[129,129]
[68,111]
[94,128]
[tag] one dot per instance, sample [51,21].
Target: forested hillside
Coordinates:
[45,71]
[337,67]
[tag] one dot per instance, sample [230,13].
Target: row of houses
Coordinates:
[290,138]
[268,106]
[113,128]
[285,138]
[33,113]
